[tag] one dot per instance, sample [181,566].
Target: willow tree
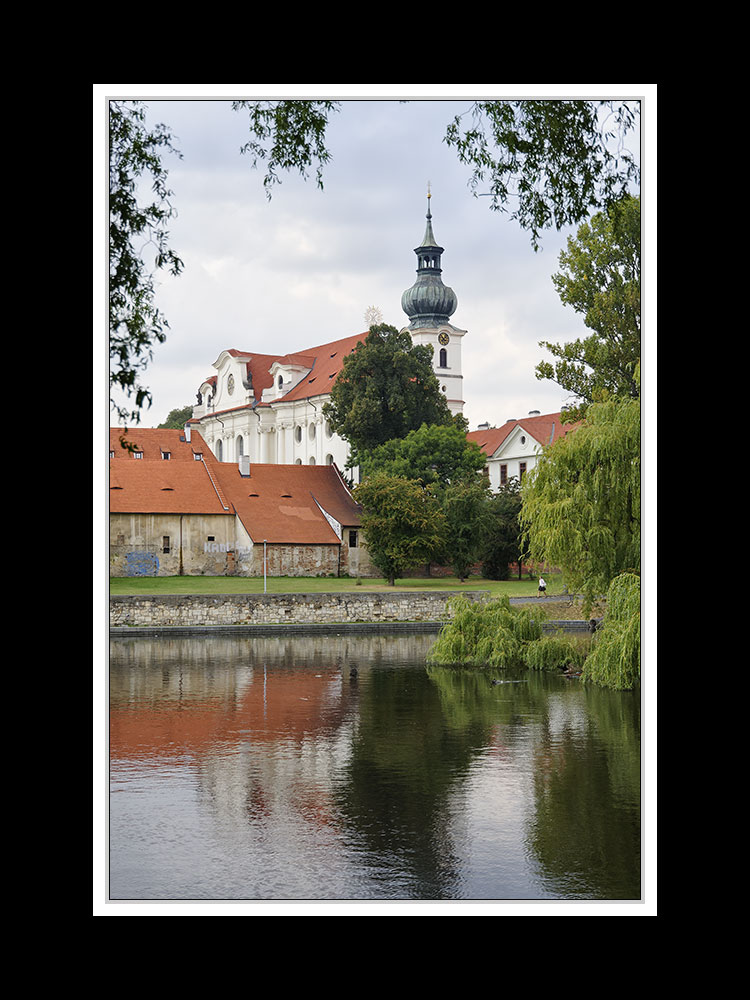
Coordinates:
[581,505]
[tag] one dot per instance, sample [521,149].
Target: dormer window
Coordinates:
[166,455]
[137,454]
[280,381]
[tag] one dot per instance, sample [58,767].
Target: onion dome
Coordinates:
[429,302]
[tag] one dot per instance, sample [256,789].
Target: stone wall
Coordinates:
[196,610]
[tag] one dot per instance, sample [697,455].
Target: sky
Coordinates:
[277,276]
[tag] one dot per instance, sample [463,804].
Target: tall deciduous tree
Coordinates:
[138,248]
[582,502]
[467,519]
[502,544]
[386,388]
[600,278]
[402,523]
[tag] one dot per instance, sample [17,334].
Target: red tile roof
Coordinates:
[324,362]
[278,503]
[545,428]
[281,503]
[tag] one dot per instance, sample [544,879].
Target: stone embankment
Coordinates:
[295,611]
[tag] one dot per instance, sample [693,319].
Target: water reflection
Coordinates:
[341,768]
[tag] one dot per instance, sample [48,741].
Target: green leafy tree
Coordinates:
[502,543]
[135,230]
[466,509]
[403,523]
[434,454]
[176,419]
[386,388]
[581,503]
[556,161]
[601,279]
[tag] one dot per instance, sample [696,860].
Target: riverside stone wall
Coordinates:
[196,610]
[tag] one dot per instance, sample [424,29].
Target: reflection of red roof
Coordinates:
[546,429]
[276,503]
[283,704]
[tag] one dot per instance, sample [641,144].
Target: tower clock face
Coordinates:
[443,338]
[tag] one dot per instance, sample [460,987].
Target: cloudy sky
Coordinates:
[302,269]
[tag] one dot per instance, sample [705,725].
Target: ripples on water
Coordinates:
[261,769]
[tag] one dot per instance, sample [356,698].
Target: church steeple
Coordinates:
[429,302]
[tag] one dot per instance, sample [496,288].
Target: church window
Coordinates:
[280,381]
[312,460]
[298,433]
[311,432]
[220,450]
[443,358]
[352,539]
[329,459]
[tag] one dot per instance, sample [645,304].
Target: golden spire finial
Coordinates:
[428,190]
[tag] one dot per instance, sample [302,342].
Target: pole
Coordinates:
[264,565]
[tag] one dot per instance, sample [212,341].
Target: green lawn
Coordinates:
[319,585]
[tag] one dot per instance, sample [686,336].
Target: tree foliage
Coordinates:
[176,419]
[465,507]
[487,633]
[502,540]
[386,388]
[136,230]
[615,660]
[557,160]
[581,503]
[600,278]
[402,523]
[287,135]
[434,454]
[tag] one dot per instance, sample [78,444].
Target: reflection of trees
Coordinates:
[586,753]
[397,783]
[583,849]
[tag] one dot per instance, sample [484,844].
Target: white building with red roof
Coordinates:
[269,407]
[513,449]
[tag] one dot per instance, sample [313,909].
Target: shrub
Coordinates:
[488,634]
[555,652]
[615,661]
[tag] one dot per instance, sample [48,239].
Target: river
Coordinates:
[337,768]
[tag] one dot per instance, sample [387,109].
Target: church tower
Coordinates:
[429,304]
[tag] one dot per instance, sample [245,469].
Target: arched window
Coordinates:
[443,358]
[240,446]
[219,450]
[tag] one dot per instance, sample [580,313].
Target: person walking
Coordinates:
[542,587]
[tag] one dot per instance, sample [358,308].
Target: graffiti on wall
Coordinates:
[142,563]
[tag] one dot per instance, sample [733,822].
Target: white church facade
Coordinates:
[270,407]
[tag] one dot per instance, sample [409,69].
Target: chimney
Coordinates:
[535,413]
[244,464]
